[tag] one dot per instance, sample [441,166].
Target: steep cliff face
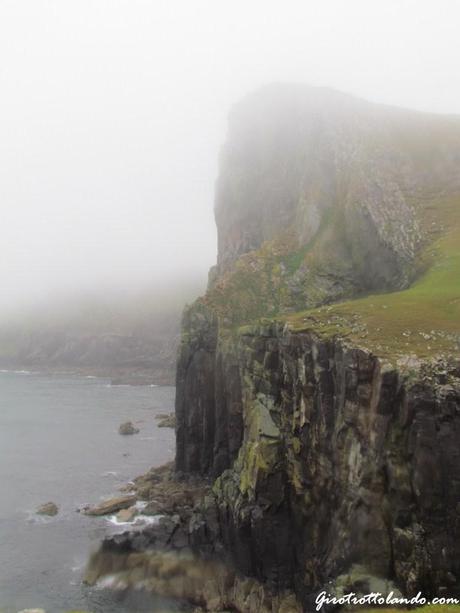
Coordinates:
[324,197]
[331,430]
[345,461]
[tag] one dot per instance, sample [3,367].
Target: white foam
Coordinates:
[78,568]
[34,518]
[138,521]
[109,582]
[110,473]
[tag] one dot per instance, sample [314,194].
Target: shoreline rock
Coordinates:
[181,556]
[166,420]
[112,505]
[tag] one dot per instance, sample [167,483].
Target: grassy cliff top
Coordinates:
[424,319]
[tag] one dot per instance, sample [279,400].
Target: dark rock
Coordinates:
[49,508]
[127,428]
[342,461]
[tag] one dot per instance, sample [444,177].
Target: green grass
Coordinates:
[423,320]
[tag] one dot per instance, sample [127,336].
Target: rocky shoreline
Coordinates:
[181,555]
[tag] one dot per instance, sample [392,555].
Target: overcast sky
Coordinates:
[112,113]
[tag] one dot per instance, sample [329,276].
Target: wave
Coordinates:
[140,521]
[117,385]
[108,582]
[32,517]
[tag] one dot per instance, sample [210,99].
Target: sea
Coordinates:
[59,442]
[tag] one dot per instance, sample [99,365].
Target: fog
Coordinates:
[112,114]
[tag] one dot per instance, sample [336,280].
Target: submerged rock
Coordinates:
[127,428]
[49,508]
[112,505]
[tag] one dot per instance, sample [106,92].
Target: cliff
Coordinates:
[318,379]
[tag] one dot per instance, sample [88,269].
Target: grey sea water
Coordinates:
[59,442]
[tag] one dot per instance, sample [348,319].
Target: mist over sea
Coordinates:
[59,442]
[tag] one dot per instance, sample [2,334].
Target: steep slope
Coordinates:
[322,196]
[318,378]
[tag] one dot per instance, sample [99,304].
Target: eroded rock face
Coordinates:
[296,153]
[344,460]
[207,437]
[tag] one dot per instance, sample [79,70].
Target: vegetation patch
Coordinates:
[423,320]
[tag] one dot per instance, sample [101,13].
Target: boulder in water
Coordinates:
[127,428]
[51,509]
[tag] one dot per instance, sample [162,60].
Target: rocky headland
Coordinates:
[318,379]
[131,339]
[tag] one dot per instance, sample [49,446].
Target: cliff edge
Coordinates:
[318,379]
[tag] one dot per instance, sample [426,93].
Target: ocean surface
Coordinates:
[59,442]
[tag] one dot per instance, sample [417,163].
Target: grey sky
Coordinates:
[112,113]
